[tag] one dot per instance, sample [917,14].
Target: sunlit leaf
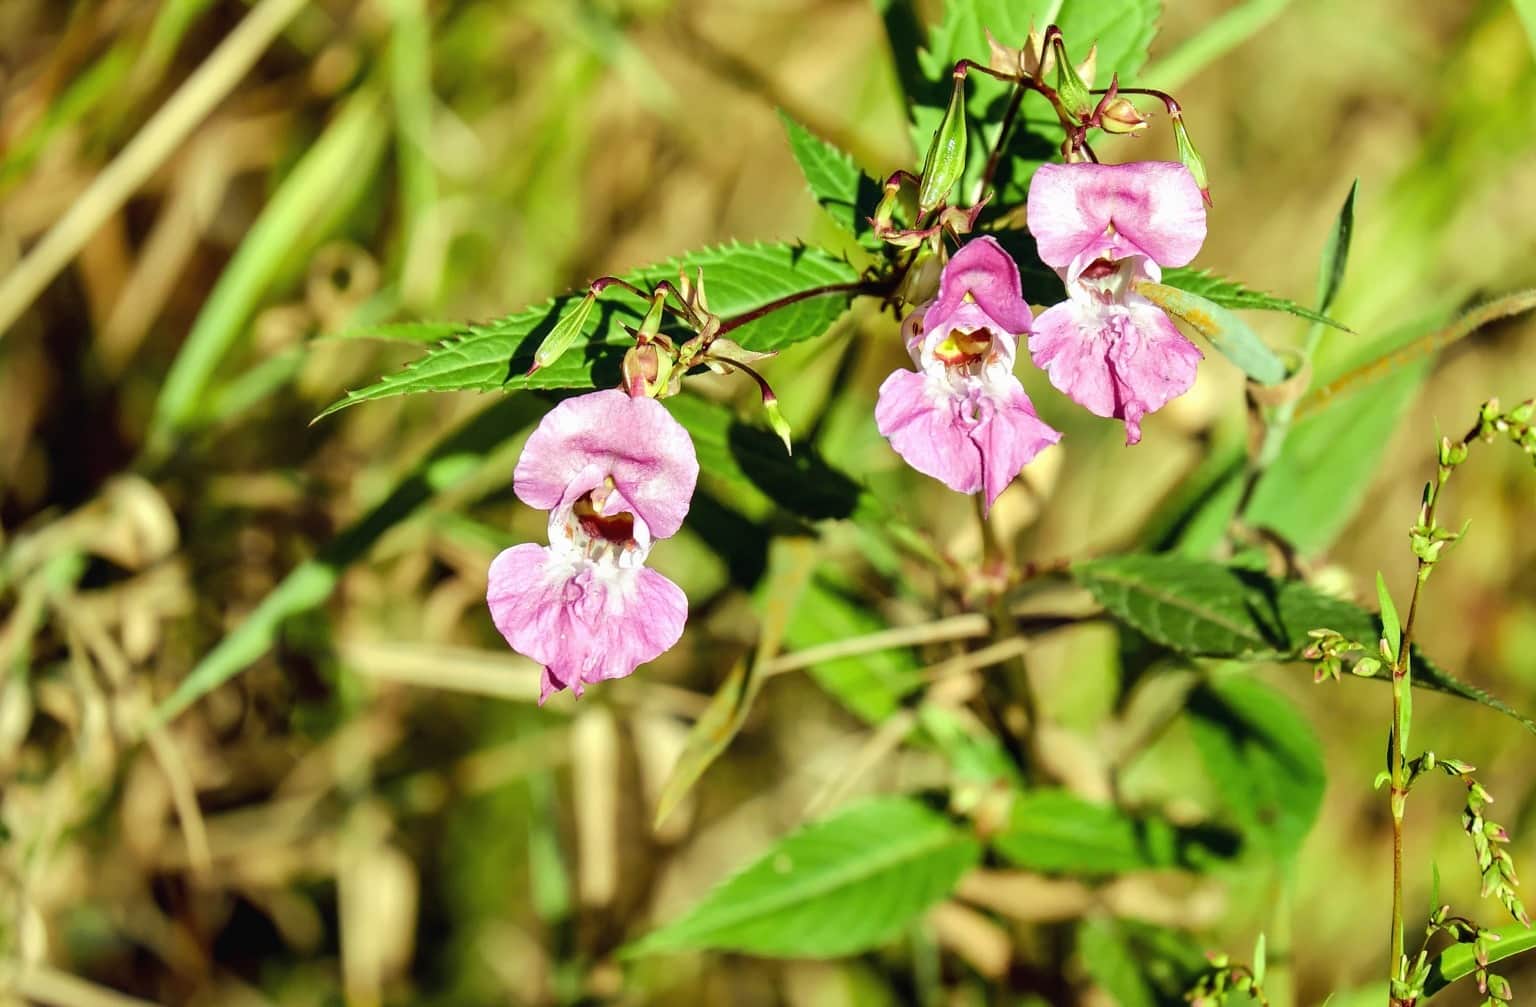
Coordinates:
[838,886]
[739,278]
[1122,30]
[1460,960]
[1052,830]
[839,186]
[1233,295]
[1222,328]
[1330,273]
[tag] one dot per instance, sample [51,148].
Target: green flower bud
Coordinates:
[945,162]
[1121,116]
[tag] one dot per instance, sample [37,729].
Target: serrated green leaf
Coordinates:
[1225,331]
[1233,295]
[1122,30]
[839,186]
[1204,609]
[1264,759]
[838,886]
[497,355]
[1052,830]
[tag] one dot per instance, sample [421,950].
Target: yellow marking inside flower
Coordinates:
[964,347]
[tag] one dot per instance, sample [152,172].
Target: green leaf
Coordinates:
[1459,960]
[1231,294]
[1225,331]
[1330,273]
[1264,759]
[739,278]
[1308,494]
[1260,960]
[1122,30]
[1391,630]
[1052,830]
[1526,9]
[1112,964]
[753,459]
[869,685]
[1204,609]
[840,187]
[839,886]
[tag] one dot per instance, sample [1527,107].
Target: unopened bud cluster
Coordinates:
[1489,840]
[1224,980]
[1331,651]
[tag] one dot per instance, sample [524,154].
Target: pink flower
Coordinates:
[963,418]
[1103,227]
[615,473]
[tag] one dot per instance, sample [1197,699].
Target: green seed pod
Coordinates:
[945,162]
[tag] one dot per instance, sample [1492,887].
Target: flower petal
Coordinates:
[584,621]
[606,434]
[1009,435]
[982,270]
[1114,211]
[1114,360]
[923,420]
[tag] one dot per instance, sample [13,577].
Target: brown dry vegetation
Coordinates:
[375,811]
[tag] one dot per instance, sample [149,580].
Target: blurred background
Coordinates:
[375,811]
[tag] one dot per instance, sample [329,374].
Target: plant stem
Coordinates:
[858,287]
[1402,682]
[1399,804]
[994,158]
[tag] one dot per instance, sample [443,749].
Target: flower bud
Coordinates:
[1120,116]
[945,162]
[642,370]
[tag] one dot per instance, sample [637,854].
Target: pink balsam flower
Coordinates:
[962,417]
[615,473]
[1103,227]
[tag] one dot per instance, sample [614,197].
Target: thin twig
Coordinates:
[956,627]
